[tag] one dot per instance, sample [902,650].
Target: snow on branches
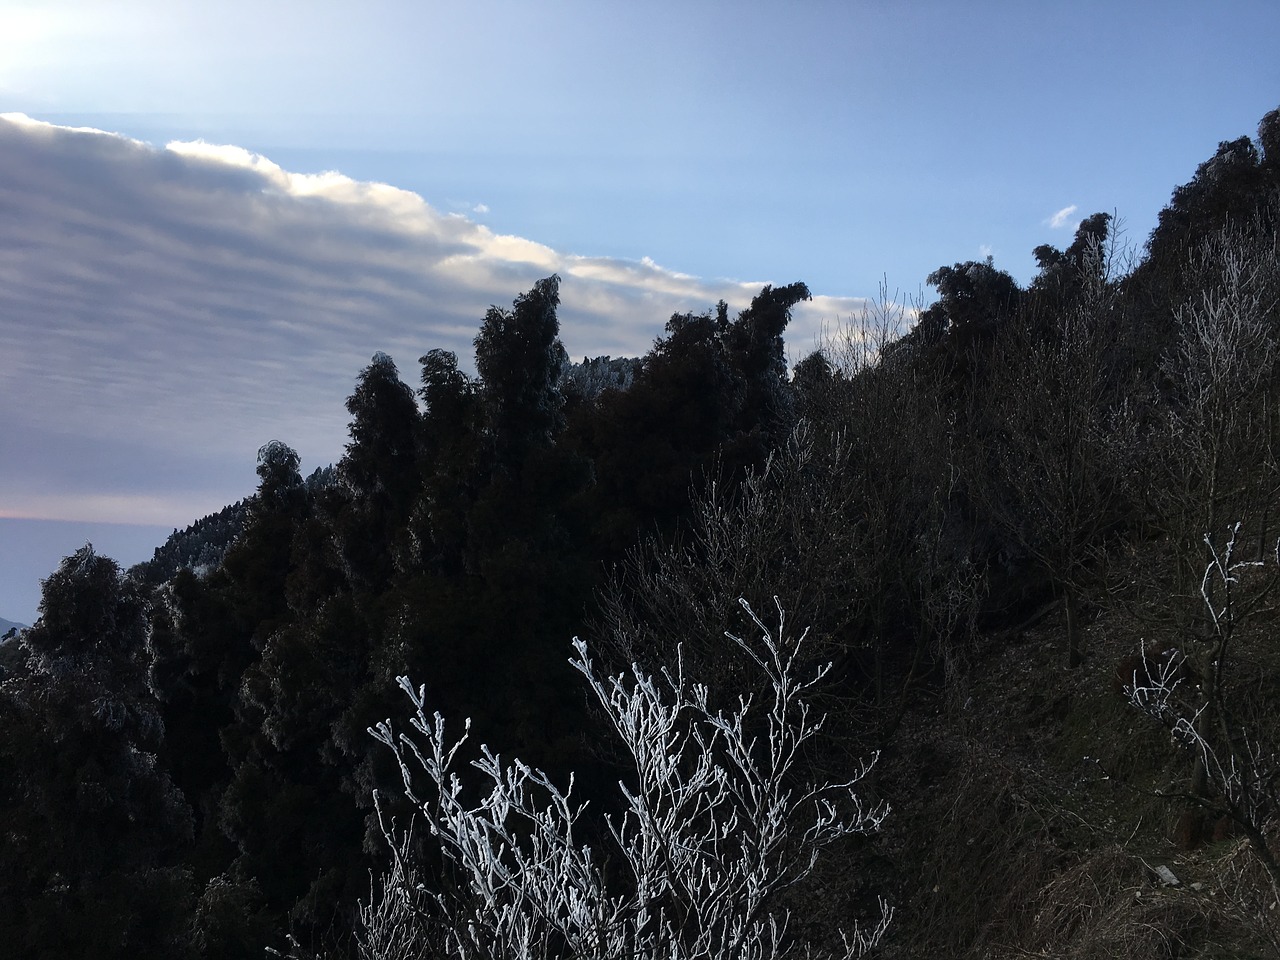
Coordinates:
[1236,763]
[715,821]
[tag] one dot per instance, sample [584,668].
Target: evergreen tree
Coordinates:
[379,473]
[710,399]
[438,534]
[520,360]
[383,450]
[755,345]
[94,827]
[209,641]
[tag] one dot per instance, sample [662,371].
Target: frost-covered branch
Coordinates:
[1236,771]
[715,821]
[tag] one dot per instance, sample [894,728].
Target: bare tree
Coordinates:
[1217,455]
[395,922]
[909,560]
[715,823]
[788,524]
[1236,764]
[1045,472]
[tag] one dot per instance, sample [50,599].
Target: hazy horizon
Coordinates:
[32,549]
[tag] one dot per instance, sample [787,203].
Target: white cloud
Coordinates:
[165,311]
[1063,217]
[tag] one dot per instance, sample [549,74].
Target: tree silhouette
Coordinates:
[94,827]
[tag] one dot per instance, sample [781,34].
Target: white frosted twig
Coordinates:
[713,823]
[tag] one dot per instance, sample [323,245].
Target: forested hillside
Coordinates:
[1031,530]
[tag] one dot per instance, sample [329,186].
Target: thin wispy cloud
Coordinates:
[164,311]
[1063,218]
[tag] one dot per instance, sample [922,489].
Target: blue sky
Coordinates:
[164,310]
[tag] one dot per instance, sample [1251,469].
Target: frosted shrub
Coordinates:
[714,822]
[1236,761]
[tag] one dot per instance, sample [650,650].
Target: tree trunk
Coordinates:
[1204,727]
[1075,645]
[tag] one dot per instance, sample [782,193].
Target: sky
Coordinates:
[212,215]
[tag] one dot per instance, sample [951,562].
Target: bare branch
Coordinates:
[715,820]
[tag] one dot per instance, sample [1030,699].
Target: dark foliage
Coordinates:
[200,547]
[184,763]
[90,856]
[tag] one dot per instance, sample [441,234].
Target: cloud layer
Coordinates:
[164,311]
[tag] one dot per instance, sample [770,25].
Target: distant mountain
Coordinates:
[7,625]
[593,376]
[201,546]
